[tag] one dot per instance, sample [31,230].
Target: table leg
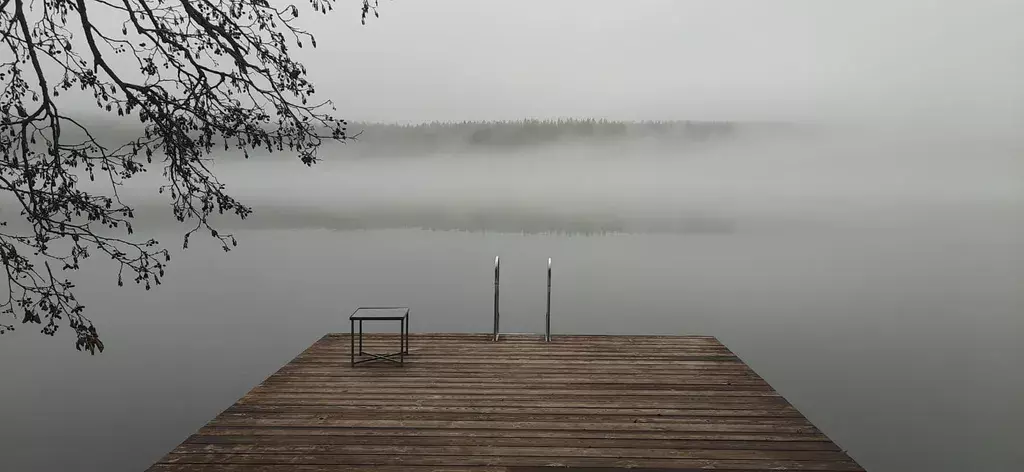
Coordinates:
[352,340]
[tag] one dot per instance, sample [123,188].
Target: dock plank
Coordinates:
[466,403]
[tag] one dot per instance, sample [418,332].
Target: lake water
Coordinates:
[884,301]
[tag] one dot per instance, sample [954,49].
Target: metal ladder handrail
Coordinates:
[547,314]
[497,276]
[497,312]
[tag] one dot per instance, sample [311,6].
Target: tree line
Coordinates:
[529,132]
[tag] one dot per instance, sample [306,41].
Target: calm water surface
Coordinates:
[895,328]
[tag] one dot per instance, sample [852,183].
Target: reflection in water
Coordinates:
[500,220]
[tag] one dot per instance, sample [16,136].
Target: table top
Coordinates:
[380,313]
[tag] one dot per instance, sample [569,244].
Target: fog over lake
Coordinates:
[874,279]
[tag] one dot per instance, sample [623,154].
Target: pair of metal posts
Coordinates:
[497,312]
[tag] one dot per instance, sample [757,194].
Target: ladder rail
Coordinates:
[497,283]
[547,314]
[497,304]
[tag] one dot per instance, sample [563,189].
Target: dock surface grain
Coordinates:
[463,402]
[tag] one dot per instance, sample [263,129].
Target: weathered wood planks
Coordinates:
[465,403]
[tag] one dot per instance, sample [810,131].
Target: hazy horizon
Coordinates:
[788,60]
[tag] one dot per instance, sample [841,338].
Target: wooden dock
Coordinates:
[463,402]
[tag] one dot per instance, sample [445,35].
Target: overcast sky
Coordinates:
[672,59]
[791,60]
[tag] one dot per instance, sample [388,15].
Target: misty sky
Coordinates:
[673,59]
[910,61]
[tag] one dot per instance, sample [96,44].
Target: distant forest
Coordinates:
[436,136]
[383,139]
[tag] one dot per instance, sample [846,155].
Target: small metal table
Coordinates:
[380,313]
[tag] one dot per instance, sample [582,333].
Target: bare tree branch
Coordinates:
[200,75]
